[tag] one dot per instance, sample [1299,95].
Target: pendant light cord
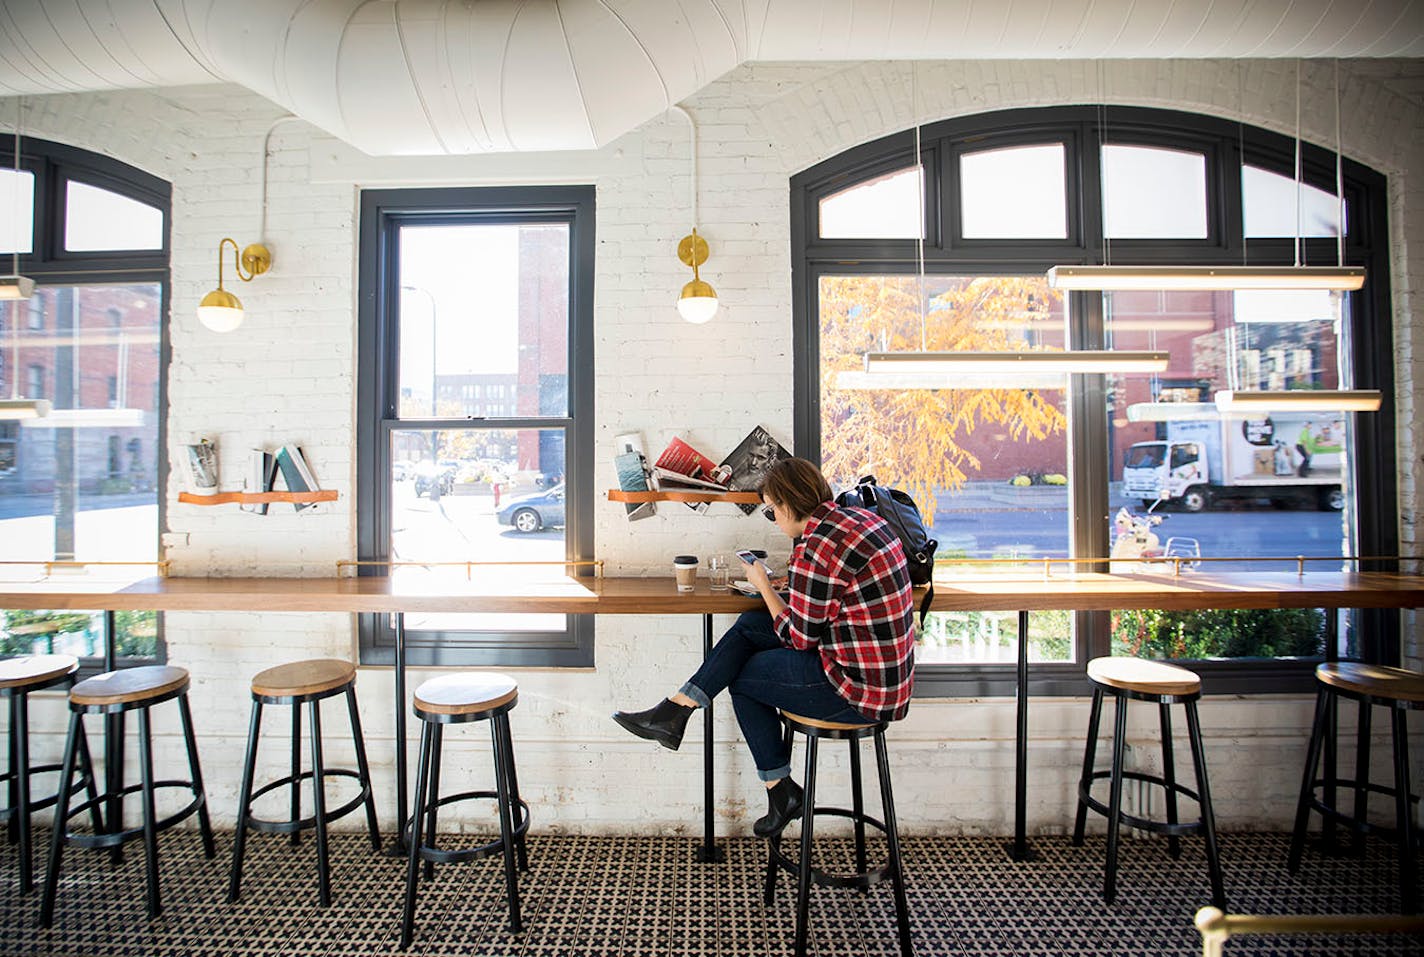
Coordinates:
[266,152]
[1339,177]
[1297,161]
[692,147]
[15,253]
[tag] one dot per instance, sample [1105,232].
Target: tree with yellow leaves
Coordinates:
[909,437]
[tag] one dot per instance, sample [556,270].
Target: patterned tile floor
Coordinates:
[645,897]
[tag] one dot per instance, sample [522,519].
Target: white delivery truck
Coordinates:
[1294,459]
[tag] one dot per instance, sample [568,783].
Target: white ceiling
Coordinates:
[396,77]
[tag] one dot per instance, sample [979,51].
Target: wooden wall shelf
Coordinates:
[258,498]
[736,498]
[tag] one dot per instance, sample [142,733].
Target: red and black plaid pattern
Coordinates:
[850,599]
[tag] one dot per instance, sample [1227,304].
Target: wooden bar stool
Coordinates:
[863,876]
[457,699]
[118,692]
[1166,685]
[18,677]
[295,684]
[1370,685]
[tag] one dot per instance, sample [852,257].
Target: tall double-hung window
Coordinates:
[82,365]
[948,251]
[476,410]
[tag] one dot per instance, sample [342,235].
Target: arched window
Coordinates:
[93,233]
[948,251]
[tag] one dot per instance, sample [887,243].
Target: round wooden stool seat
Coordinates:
[472,692]
[27,671]
[1143,677]
[129,685]
[1376,681]
[827,725]
[299,678]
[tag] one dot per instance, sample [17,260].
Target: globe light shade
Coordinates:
[698,302]
[220,311]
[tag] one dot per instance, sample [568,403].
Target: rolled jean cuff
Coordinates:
[775,774]
[697,694]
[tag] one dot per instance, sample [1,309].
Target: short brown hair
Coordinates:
[797,485]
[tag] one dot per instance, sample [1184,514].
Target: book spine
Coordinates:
[291,474]
[261,470]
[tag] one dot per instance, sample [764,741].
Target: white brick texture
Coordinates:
[289,376]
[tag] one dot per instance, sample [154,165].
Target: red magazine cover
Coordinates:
[685,460]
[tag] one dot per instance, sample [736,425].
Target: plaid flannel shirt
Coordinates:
[850,599]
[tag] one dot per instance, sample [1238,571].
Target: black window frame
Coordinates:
[53,165]
[382,213]
[1227,144]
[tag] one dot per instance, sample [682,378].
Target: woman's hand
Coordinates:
[757,575]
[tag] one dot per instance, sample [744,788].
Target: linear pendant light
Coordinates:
[1126,278]
[1299,400]
[960,363]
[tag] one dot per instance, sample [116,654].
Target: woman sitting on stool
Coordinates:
[840,647]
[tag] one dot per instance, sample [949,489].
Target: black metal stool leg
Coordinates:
[1307,784]
[1362,776]
[114,780]
[892,838]
[500,734]
[417,817]
[20,780]
[432,818]
[195,768]
[150,830]
[1115,798]
[1169,776]
[91,791]
[858,806]
[1404,821]
[803,869]
[323,862]
[516,808]
[244,803]
[1331,775]
[12,781]
[769,893]
[296,810]
[61,817]
[359,740]
[1090,755]
[1208,818]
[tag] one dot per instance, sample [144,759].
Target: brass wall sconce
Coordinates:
[698,302]
[220,310]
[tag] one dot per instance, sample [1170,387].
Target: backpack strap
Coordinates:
[925,604]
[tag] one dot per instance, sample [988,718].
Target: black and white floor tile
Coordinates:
[646,897]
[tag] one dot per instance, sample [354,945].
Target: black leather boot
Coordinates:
[663,723]
[783,806]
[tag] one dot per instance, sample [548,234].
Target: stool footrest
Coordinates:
[1346,818]
[824,878]
[162,824]
[1143,823]
[488,849]
[39,804]
[290,826]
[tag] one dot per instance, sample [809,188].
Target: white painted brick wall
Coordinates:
[289,376]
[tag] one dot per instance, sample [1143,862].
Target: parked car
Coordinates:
[529,513]
[400,471]
[428,474]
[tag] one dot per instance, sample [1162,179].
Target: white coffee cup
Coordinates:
[685,568]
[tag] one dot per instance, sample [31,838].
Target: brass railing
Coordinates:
[595,563]
[50,564]
[1216,927]
[1176,561]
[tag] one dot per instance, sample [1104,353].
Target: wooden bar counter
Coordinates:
[1081,591]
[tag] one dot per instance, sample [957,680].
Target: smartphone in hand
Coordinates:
[749,557]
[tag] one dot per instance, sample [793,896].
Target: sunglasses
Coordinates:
[770,512]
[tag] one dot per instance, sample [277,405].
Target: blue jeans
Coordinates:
[763,675]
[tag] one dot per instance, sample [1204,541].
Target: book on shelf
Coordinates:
[745,468]
[296,473]
[633,476]
[261,474]
[680,466]
[202,471]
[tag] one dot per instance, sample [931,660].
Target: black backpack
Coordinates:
[903,516]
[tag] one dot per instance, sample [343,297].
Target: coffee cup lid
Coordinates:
[684,560]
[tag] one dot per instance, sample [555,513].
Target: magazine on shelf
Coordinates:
[745,468]
[633,476]
[261,473]
[680,466]
[296,473]
[202,467]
